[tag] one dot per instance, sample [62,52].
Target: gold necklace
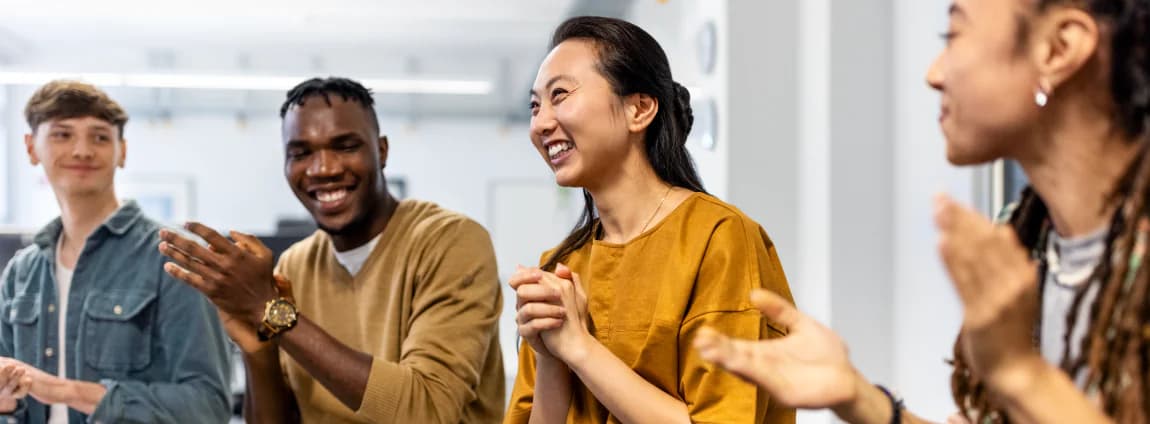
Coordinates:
[653,214]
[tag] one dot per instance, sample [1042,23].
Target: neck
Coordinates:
[1082,159]
[627,200]
[82,214]
[348,240]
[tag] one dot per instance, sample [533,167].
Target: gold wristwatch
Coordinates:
[280,315]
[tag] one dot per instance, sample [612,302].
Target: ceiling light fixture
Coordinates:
[243,82]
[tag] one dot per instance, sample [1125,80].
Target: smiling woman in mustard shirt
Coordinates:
[608,318]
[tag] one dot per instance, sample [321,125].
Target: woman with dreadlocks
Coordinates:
[1055,302]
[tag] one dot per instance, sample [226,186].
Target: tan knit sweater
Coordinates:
[425,305]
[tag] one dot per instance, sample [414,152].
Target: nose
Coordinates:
[934,75]
[82,149]
[324,164]
[544,122]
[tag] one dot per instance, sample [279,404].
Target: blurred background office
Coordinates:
[811,115]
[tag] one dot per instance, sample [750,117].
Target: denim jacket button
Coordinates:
[51,308]
[49,352]
[117,310]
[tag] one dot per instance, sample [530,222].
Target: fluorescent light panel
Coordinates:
[242,82]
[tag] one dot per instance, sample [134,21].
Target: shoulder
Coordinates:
[706,213]
[428,222]
[20,261]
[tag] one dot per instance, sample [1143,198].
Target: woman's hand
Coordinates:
[538,308]
[997,283]
[570,341]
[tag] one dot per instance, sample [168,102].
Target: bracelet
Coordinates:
[895,404]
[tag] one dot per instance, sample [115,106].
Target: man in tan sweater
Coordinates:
[388,314]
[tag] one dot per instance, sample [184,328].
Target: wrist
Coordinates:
[868,404]
[577,355]
[1017,377]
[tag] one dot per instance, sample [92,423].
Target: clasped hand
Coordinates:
[551,312]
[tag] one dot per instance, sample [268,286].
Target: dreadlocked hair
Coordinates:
[1113,354]
[347,89]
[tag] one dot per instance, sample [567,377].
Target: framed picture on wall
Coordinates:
[168,199]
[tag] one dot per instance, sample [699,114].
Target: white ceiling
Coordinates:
[501,41]
[156,23]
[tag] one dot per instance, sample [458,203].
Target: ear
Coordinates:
[30,145]
[383,148]
[641,110]
[1064,45]
[123,153]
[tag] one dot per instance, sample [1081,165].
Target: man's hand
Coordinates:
[237,278]
[13,384]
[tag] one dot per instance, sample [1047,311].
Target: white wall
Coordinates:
[926,311]
[5,169]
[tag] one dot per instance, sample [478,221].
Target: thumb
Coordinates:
[562,271]
[284,287]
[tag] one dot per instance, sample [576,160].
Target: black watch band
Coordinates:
[895,404]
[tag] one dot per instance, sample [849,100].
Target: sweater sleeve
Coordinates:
[455,313]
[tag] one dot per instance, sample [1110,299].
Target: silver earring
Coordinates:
[1040,98]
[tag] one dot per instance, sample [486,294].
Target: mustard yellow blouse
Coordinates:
[648,298]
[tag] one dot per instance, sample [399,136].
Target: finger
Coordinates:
[12,376]
[187,262]
[534,327]
[735,356]
[536,293]
[190,248]
[535,310]
[578,286]
[195,280]
[284,287]
[777,309]
[966,287]
[552,280]
[250,244]
[524,276]
[23,388]
[562,271]
[217,242]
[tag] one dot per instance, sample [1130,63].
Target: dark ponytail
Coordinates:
[633,62]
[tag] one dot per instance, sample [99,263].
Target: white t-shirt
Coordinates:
[58,412]
[353,259]
[1070,263]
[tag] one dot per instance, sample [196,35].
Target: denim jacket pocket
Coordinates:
[22,313]
[118,330]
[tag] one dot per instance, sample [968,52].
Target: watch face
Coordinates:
[281,314]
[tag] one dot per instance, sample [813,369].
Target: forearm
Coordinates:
[627,395]
[340,369]
[552,391]
[1033,391]
[267,399]
[872,406]
[82,396]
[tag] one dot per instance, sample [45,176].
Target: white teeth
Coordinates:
[331,196]
[558,148]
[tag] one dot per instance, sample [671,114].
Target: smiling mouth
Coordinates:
[330,199]
[555,150]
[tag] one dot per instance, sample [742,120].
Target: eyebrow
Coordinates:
[552,81]
[347,136]
[956,11]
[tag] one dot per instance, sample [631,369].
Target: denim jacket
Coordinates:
[155,343]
